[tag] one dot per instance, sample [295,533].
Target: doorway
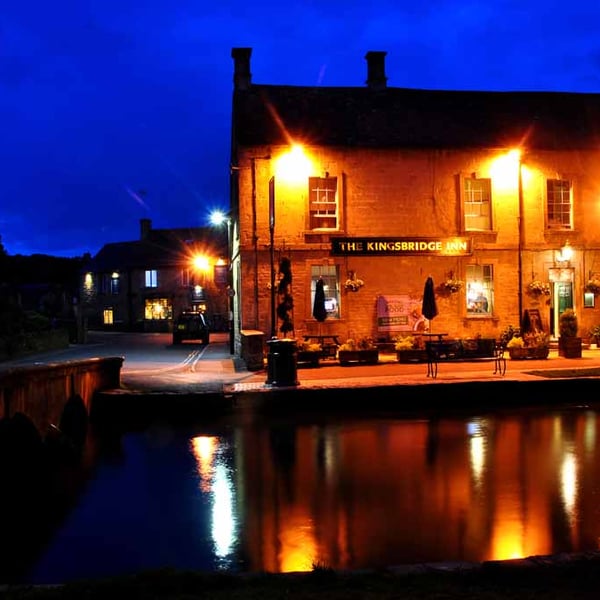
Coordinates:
[562,298]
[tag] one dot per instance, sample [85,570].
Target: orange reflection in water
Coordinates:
[360,495]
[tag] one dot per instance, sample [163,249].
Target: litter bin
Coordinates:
[282,362]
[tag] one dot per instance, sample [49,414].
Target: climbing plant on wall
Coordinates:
[284,296]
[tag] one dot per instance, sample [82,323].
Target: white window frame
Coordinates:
[323,203]
[479,281]
[477,203]
[331,283]
[151,278]
[559,204]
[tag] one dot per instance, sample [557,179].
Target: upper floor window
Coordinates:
[477,204]
[323,202]
[185,277]
[331,285]
[480,290]
[115,284]
[151,278]
[559,212]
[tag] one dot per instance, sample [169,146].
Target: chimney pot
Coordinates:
[376,79]
[242,78]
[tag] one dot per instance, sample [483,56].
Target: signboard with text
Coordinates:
[398,313]
[453,246]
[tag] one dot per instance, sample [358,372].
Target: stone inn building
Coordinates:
[495,195]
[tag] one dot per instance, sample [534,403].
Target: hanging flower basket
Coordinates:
[452,285]
[538,288]
[593,286]
[353,284]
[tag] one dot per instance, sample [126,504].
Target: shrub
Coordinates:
[568,323]
[404,342]
[516,342]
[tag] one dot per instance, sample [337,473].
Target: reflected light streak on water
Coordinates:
[216,479]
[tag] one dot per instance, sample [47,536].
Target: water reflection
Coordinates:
[344,493]
[216,480]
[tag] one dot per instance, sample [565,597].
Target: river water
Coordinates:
[349,493]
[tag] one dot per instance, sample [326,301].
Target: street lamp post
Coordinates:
[272,252]
[218,218]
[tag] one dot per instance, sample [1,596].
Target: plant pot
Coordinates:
[309,358]
[569,347]
[407,356]
[347,357]
[531,353]
[518,353]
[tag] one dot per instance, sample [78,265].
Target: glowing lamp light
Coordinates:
[201,263]
[218,217]
[566,252]
[293,166]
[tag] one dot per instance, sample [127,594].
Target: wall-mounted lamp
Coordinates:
[566,253]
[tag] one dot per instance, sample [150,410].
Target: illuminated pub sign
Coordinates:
[452,246]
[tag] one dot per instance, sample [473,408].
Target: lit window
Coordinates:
[108,316]
[115,284]
[559,204]
[152,278]
[477,204]
[323,209]
[331,286]
[158,309]
[480,290]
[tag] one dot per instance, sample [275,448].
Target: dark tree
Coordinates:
[284,296]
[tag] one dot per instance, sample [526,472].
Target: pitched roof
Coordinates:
[161,248]
[414,118]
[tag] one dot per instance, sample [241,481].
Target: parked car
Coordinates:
[191,326]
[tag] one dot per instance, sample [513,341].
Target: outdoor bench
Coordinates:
[461,351]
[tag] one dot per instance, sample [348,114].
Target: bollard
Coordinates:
[282,362]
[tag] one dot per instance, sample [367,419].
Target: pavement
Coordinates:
[219,373]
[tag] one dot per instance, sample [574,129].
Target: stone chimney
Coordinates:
[376,70]
[145,227]
[242,78]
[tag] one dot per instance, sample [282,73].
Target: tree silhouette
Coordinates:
[284,296]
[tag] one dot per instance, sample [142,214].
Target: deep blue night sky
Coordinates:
[100,100]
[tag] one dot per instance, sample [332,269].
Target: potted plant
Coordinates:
[360,350]
[309,353]
[569,344]
[516,348]
[408,349]
[594,334]
[537,344]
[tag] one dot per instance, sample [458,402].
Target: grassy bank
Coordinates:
[575,576]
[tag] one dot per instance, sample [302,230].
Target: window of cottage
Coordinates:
[151,278]
[323,202]
[115,284]
[559,198]
[480,290]
[331,285]
[108,316]
[477,204]
[185,277]
[158,309]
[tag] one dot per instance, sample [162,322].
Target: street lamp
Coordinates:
[218,217]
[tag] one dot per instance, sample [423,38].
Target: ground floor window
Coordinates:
[331,284]
[157,309]
[480,290]
[108,316]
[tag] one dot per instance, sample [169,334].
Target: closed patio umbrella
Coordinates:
[319,310]
[429,306]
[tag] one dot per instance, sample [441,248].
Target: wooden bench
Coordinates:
[452,350]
